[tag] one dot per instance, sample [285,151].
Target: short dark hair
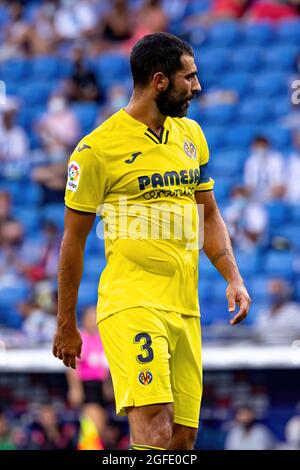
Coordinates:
[159,52]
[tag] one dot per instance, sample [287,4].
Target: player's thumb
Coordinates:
[231,303]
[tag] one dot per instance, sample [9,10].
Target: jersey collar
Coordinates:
[149,133]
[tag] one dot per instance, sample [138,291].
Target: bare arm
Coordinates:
[67,342]
[217,246]
[75,388]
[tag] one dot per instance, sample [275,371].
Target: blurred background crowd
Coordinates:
[64,69]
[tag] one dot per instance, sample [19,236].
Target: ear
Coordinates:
[160,82]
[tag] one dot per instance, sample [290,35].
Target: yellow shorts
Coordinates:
[155,357]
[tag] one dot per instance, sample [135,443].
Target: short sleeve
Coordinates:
[206,183]
[87,178]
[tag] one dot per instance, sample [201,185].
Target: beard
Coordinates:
[173,104]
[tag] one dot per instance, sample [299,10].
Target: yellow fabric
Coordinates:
[89,438]
[155,357]
[141,447]
[122,158]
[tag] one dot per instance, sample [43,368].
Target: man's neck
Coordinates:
[144,109]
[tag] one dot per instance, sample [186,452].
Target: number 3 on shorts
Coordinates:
[146,347]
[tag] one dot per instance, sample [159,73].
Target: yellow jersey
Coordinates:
[143,186]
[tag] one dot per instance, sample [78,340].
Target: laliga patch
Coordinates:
[190,149]
[73,176]
[145,377]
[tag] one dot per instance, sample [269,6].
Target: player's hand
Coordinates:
[238,294]
[67,345]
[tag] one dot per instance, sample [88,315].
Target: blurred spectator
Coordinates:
[11,239]
[48,434]
[149,18]
[247,433]
[292,120]
[280,323]
[293,172]
[44,39]
[39,314]
[117,98]
[292,435]
[264,170]
[117,23]
[246,219]
[271,10]
[58,128]
[14,147]
[220,10]
[59,131]
[44,264]
[5,206]
[6,440]
[218,96]
[82,85]
[73,19]
[16,33]
[86,382]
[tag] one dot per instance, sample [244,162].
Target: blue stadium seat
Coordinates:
[281,58]
[29,217]
[93,267]
[258,34]
[254,111]
[222,187]
[212,59]
[45,67]
[111,67]
[281,106]
[279,263]
[204,289]
[270,84]
[218,291]
[194,111]
[206,268]
[10,296]
[277,213]
[289,32]
[86,113]
[297,290]
[225,33]
[237,81]
[248,263]
[214,136]
[292,233]
[87,294]
[256,309]
[246,59]
[226,164]
[65,68]
[54,213]
[14,69]
[33,195]
[258,288]
[294,213]
[279,136]
[219,114]
[35,93]
[240,136]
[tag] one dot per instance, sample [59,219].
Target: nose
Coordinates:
[196,85]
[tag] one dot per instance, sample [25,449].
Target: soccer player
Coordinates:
[154,158]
